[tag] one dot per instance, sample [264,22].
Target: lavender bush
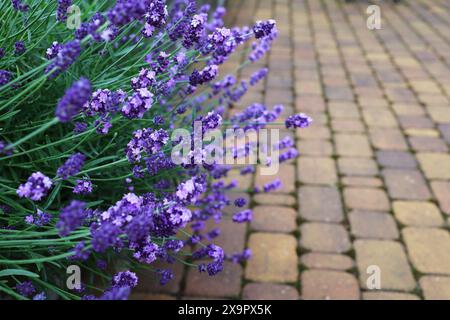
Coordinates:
[86,118]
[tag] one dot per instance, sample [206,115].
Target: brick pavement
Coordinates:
[372,185]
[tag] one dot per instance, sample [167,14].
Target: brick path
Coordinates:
[372,186]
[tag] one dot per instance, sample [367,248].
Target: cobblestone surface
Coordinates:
[372,184]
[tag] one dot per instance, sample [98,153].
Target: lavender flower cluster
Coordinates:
[135,122]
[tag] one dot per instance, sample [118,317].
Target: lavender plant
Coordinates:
[86,119]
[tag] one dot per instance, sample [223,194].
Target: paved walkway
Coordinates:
[371,190]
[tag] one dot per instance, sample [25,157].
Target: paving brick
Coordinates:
[445,131]
[274,219]
[232,235]
[310,103]
[324,237]
[340,93]
[352,145]
[274,258]
[357,166]
[375,225]
[343,110]
[328,261]
[435,288]
[315,147]
[379,118]
[347,126]
[428,144]
[286,174]
[439,114]
[425,133]
[390,257]
[226,284]
[274,199]
[387,295]
[441,190]
[406,184]
[320,204]
[388,139]
[417,213]
[416,122]
[316,170]
[354,181]
[269,291]
[408,109]
[329,285]
[314,132]
[396,159]
[435,165]
[429,249]
[366,199]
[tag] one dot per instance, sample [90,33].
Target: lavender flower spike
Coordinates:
[36,187]
[74,99]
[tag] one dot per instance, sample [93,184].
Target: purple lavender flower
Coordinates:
[104,101]
[258,75]
[264,28]
[63,6]
[241,257]
[157,162]
[156,14]
[247,170]
[66,56]
[25,288]
[145,140]
[36,187]
[139,227]
[19,6]
[125,279]
[292,153]
[195,30]
[83,187]
[166,276]
[271,186]
[139,103]
[240,202]
[126,11]
[173,245]
[80,252]
[188,191]
[203,76]
[80,127]
[2,52]
[219,36]
[103,125]
[116,293]
[3,150]
[101,264]
[105,236]
[19,47]
[145,251]
[40,296]
[52,52]
[71,217]
[72,166]
[39,219]
[243,216]
[145,79]
[215,252]
[284,143]
[300,120]
[73,100]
